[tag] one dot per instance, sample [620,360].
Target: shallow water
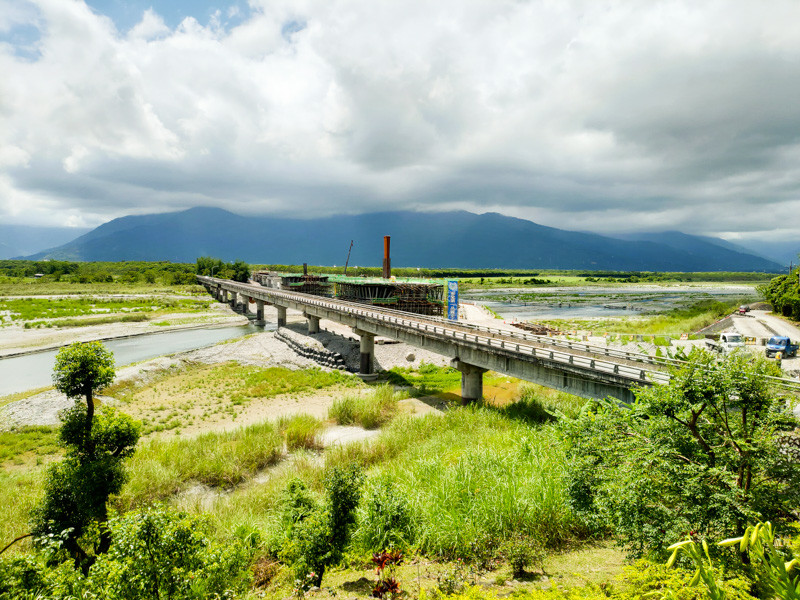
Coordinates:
[32,371]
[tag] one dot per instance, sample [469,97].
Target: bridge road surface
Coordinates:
[576,368]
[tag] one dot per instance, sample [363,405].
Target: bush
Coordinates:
[77,488]
[384,517]
[164,553]
[316,535]
[699,454]
[522,552]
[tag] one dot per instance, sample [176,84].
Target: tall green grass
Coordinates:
[163,467]
[301,432]
[19,493]
[473,477]
[369,410]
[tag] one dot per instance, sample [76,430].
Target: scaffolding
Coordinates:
[419,296]
[316,285]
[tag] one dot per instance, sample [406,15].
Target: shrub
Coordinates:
[384,517]
[699,454]
[77,488]
[164,553]
[521,552]
[315,536]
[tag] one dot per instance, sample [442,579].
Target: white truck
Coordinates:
[727,343]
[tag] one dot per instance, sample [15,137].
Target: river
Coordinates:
[31,371]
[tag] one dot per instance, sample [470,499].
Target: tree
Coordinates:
[80,369]
[700,455]
[76,489]
[316,534]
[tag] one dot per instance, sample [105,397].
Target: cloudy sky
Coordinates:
[591,115]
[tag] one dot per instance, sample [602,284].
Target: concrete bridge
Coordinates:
[579,369]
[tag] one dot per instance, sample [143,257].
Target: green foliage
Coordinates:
[343,486]
[161,467]
[646,579]
[77,488]
[384,517]
[14,444]
[164,553]
[28,577]
[783,293]
[125,273]
[472,477]
[301,431]
[82,368]
[699,455]
[113,433]
[426,379]
[237,271]
[522,552]
[316,535]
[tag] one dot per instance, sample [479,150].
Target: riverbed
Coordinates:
[31,371]
[594,302]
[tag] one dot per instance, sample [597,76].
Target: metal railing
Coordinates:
[500,338]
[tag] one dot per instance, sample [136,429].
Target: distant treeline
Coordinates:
[163,272]
[623,276]
[636,276]
[783,293]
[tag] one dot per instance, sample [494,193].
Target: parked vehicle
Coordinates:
[783,345]
[727,342]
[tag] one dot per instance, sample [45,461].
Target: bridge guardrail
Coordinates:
[451,329]
[626,371]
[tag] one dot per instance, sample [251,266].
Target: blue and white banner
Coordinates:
[452,299]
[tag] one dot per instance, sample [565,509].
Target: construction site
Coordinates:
[418,296]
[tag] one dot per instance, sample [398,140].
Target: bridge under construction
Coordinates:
[573,367]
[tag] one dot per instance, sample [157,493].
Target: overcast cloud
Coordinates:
[600,116]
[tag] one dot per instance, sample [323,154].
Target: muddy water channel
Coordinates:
[525,304]
[31,371]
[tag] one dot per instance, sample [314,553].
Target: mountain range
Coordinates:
[456,239]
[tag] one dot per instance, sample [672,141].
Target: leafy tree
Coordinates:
[316,534]
[76,489]
[81,369]
[783,293]
[167,554]
[241,271]
[699,455]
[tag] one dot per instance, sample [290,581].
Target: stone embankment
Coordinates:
[311,349]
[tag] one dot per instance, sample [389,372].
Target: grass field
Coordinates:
[676,321]
[199,396]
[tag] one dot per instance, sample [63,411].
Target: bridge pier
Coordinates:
[259,313]
[281,315]
[232,299]
[471,380]
[313,323]
[367,347]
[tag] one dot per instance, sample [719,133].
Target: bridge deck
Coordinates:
[579,368]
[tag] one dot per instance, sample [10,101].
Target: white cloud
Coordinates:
[581,115]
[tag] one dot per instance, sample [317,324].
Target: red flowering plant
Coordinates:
[385,564]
